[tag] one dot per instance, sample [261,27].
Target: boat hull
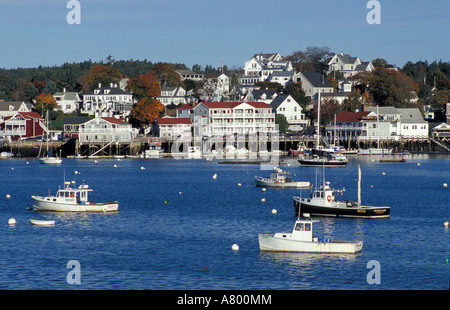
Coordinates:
[50,160]
[340,209]
[267,182]
[268,242]
[42,222]
[327,163]
[46,204]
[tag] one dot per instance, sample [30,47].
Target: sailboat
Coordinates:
[48,159]
[323,202]
[326,159]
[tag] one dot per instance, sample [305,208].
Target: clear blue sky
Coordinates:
[35,32]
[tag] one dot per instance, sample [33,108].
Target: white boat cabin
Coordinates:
[326,193]
[73,195]
[303,231]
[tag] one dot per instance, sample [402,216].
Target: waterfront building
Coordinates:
[71,126]
[378,124]
[106,130]
[21,125]
[172,128]
[290,108]
[227,118]
[107,102]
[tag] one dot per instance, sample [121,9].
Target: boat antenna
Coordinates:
[300,204]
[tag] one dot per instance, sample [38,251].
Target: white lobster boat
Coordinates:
[301,239]
[72,200]
[280,178]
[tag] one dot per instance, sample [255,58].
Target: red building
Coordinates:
[21,125]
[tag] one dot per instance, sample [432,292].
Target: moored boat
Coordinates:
[281,179]
[71,199]
[42,222]
[301,239]
[323,201]
[329,161]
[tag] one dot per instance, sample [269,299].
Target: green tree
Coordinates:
[283,124]
[389,87]
[29,93]
[296,91]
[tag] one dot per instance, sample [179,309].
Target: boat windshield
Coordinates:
[303,227]
[66,194]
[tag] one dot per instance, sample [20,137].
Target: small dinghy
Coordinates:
[42,222]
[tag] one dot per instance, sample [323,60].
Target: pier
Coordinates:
[286,143]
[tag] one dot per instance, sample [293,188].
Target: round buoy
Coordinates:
[383,173]
[181,193]
[446,224]
[263,189]
[263,200]
[215,176]
[274,211]
[8,196]
[444,185]
[235,247]
[418,164]
[142,168]
[239,184]
[12,221]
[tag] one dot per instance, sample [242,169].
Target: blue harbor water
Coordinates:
[176,225]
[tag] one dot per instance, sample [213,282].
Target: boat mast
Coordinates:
[359,185]
[318,121]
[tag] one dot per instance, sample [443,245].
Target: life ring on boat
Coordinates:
[329,198]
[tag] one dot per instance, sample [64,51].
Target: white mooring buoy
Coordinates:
[12,221]
[235,247]
[263,200]
[446,224]
[274,211]
[444,185]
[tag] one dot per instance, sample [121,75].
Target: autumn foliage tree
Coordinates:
[45,102]
[145,89]
[103,74]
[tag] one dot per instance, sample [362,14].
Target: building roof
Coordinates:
[76,120]
[112,91]
[411,116]
[346,58]
[317,79]
[114,120]
[4,105]
[280,99]
[232,105]
[174,121]
[350,117]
